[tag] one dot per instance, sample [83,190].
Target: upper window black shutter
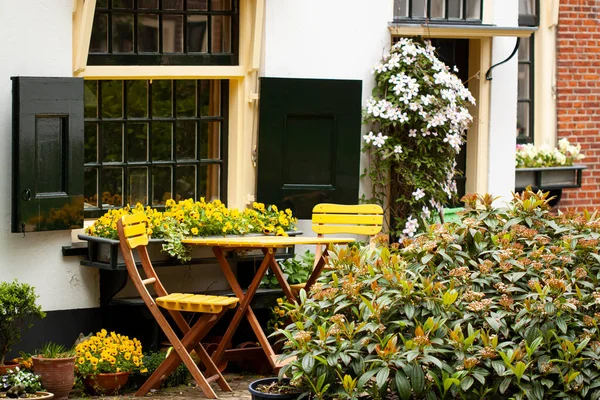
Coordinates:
[309,142]
[47,190]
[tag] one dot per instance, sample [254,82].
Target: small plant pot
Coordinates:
[56,374]
[256,395]
[107,384]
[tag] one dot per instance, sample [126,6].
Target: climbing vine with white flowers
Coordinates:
[418,116]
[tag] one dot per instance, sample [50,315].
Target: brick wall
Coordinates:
[578,93]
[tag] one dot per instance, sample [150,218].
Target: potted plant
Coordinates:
[548,169]
[55,364]
[17,309]
[19,383]
[105,361]
[273,388]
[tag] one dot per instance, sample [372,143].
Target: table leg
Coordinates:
[244,308]
[274,265]
[316,271]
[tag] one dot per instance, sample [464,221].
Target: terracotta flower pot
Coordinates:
[56,374]
[106,383]
[8,366]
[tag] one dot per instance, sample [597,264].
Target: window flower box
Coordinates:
[549,178]
[106,254]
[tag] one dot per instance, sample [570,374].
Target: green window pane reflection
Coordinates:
[137,142]
[185,187]
[161,185]
[137,99]
[112,140]
[90,143]
[112,187]
[186,98]
[112,99]
[90,99]
[162,98]
[186,140]
[162,139]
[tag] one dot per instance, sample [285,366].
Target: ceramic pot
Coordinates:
[56,374]
[106,383]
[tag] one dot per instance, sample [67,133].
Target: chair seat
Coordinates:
[196,302]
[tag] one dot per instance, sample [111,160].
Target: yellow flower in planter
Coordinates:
[105,352]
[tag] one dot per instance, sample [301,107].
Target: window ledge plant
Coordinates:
[189,218]
[566,154]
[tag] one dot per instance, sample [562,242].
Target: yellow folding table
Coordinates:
[268,245]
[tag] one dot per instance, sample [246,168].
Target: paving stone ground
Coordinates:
[238,382]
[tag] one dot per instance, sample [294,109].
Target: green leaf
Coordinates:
[466,383]
[364,378]
[417,378]
[505,384]
[382,377]
[402,386]
[409,310]
[562,325]
[308,362]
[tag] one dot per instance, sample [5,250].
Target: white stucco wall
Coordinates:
[503,105]
[37,41]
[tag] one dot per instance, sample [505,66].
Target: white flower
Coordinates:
[418,194]
[369,137]
[426,213]
[412,133]
[398,149]
[411,227]
[379,141]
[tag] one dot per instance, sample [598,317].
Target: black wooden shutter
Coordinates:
[309,142]
[47,154]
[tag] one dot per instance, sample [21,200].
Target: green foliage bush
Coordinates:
[151,361]
[504,304]
[296,270]
[17,308]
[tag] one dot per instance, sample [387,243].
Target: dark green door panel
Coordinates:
[309,142]
[47,154]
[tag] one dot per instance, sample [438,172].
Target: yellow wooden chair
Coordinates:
[362,219]
[132,234]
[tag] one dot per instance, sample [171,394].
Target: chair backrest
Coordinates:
[362,219]
[133,234]
[134,230]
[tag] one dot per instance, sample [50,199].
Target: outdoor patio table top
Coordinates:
[267,244]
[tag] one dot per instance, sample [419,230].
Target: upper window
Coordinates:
[439,10]
[164,32]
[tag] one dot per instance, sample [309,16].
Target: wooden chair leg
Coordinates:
[181,354]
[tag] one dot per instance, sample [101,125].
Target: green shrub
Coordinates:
[504,304]
[17,308]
